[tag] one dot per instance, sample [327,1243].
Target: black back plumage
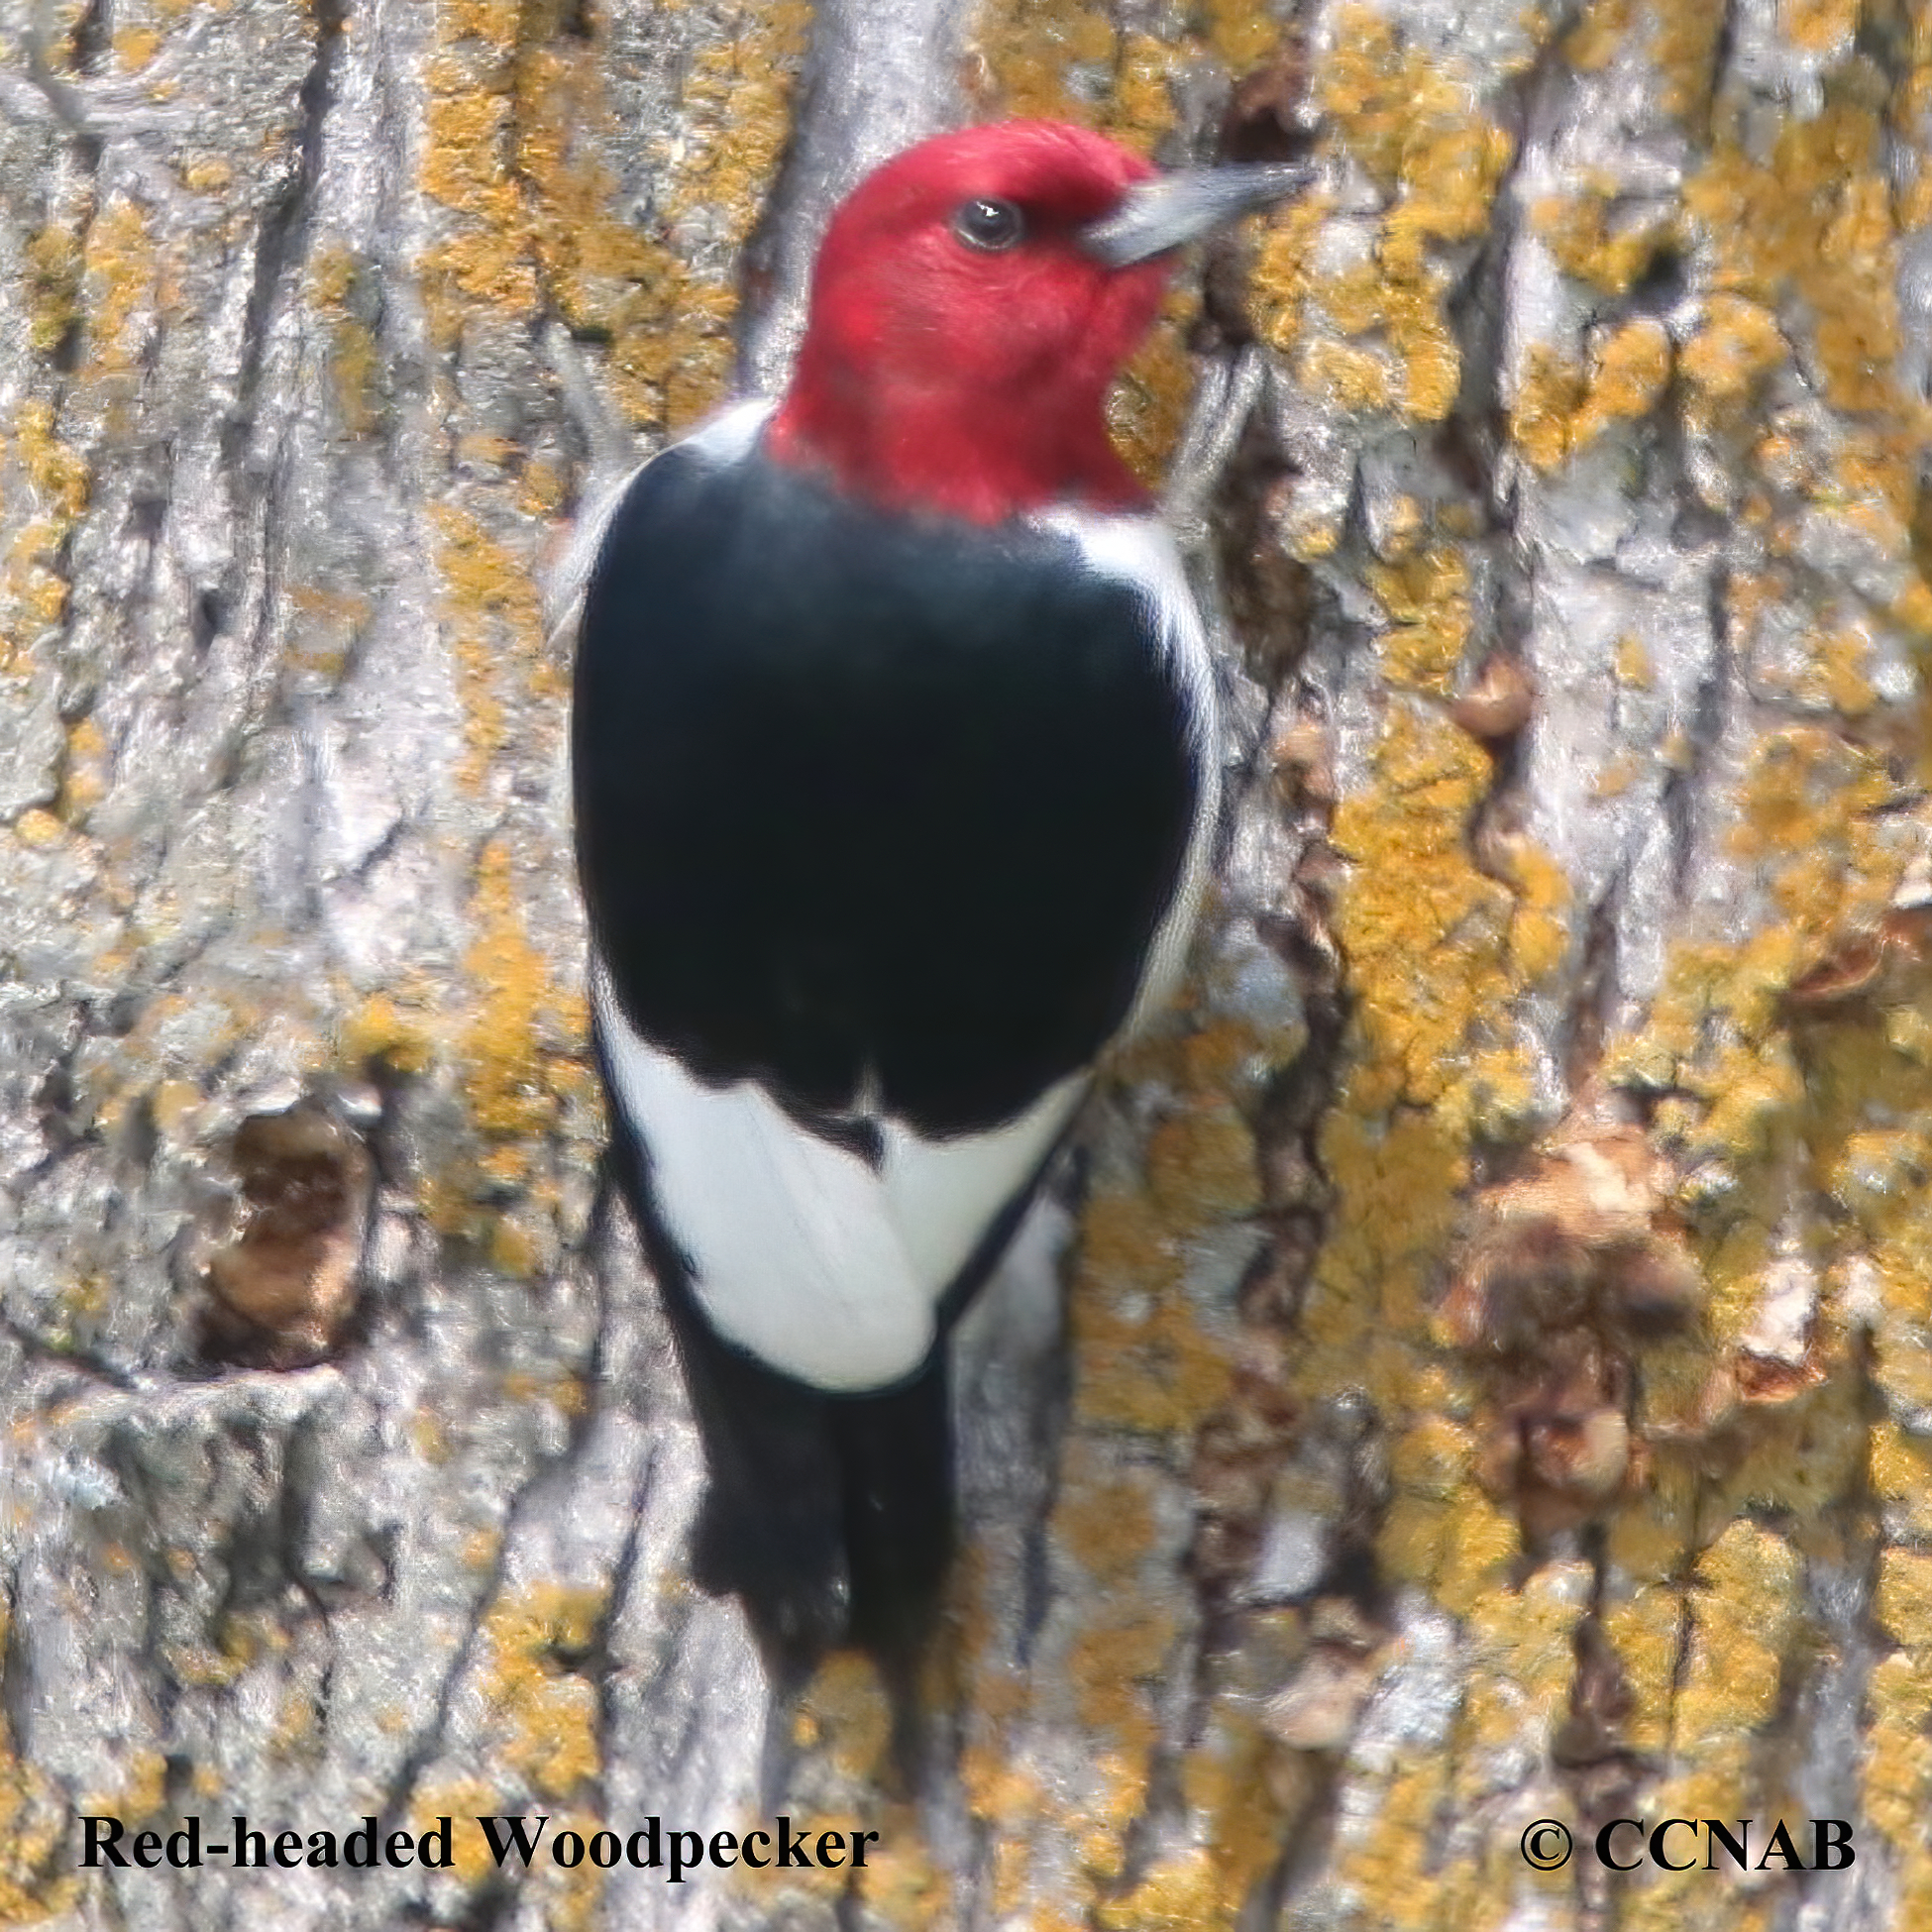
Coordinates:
[869,796]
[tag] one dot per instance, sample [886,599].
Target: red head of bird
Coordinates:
[974,300]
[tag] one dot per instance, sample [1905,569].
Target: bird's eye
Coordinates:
[989,225]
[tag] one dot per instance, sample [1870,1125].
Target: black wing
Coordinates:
[871,797]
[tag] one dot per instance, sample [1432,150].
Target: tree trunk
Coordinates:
[1492,1385]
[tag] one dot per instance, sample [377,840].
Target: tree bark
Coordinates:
[1491,1384]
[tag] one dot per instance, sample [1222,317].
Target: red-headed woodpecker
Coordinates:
[895,773]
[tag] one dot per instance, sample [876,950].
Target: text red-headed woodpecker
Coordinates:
[895,773]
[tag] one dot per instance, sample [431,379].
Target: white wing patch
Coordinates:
[802,1253]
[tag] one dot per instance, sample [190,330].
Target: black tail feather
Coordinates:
[895,1456]
[772,1529]
[830,1516]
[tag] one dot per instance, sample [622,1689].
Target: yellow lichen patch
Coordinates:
[739,95]
[1876,478]
[1898,1761]
[355,355]
[1548,392]
[1632,662]
[1183,1891]
[517,120]
[207,174]
[1281,282]
[1898,1753]
[541,1707]
[1754,1088]
[462,1802]
[492,604]
[142,1791]
[844,1715]
[1738,343]
[86,772]
[1006,1798]
[54,288]
[135,46]
[898,1882]
[1140,109]
[827,1881]
[1702,984]
[1031,47]
[1843,664]
[1141,1358]
[38,829]
[1628,375]
[1647,1631]
[1349,376]
[1393,1862]
[1814,221]
[1807,1451]
[1426,599]
[1148,406]
[1383,95]
[1143,1364]
[1418,909]
[1408,121]
[841,1727]
[1557,410]
[1818,26]
[486,254]
[1684,44]
[118,283]
[1437,949]
[1595,244]
[327,625]
[1811,801]
[1593,42]
[1812,821]
[1113,1670]
[1618,776]
[1249,1787]
[736,113]
[1433,1459]
[1242,34]
[1745,1616]
[518,1054]
[1201,1161]
[1744,1609]
[1522,1659]
[1456,1547]
[1367,1321]
[34,1830]
[1107,1681]
[1870,1156]
[45,489]
[398,1030]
